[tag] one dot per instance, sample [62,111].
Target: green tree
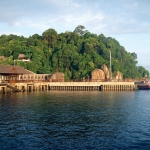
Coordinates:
[51,35]
[80,29]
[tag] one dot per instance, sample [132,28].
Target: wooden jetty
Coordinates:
[92,86]
[67,86]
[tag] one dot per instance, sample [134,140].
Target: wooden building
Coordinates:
[22,57]
[2,58]
[9,73]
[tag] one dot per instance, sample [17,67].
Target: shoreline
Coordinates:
[67,86]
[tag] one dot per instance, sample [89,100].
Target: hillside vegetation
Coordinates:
[76,53]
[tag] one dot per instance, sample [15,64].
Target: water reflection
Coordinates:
[74,120]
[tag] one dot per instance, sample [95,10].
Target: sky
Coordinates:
[128,21]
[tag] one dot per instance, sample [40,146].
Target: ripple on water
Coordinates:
[75,120]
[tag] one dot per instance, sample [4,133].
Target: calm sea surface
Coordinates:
[75,120]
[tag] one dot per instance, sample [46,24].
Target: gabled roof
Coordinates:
[9,69]
[21,56]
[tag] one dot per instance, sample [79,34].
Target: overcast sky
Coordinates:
[128,21]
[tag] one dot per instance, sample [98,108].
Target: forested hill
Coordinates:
[75,53]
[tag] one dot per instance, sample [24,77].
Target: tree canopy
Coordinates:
[75,53]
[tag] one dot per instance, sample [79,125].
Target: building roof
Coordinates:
[21,56]
[9,69]
[2,58]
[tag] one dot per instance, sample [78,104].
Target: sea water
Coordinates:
[67,120]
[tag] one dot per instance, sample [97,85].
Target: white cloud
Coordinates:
[96,15]
[17,24]
[128,21]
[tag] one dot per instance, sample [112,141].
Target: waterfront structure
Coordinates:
[92,86]
[16,78]
[9,73]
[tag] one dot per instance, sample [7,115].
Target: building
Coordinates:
[2,58]
[9,73]
[22,57]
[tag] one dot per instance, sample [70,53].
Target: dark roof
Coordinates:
[9,69]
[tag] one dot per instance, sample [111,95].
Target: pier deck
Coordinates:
[98,86]
[68,86]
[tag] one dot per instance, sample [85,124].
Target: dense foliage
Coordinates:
[75,53]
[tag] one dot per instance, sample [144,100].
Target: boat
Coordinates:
[144,85]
